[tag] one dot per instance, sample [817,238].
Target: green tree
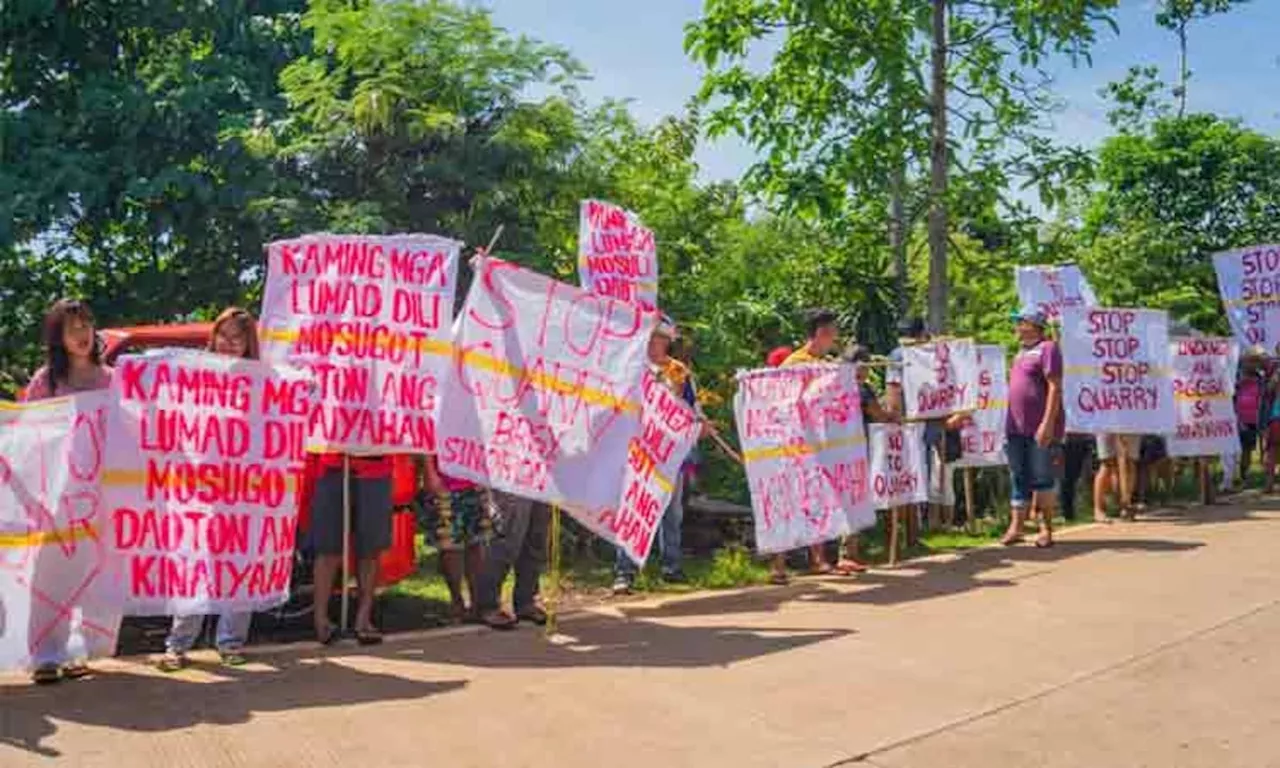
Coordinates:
[1176,16]
[1170,197]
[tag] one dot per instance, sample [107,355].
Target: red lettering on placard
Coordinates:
[340,298]
[178,385]
[1118,398]
[286,397]
[507,308]
[360,340]
[420,268]
[342,425]
[174,431]
[496,463]
[214,482]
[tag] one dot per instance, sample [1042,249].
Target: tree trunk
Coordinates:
[898,236]
[1182,68]
[938,175]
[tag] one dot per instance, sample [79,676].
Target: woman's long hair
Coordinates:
[55,349]
[244,323]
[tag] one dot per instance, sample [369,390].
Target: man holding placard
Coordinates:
[1033,425]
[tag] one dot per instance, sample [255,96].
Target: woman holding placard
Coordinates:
[235,334]
[72,364]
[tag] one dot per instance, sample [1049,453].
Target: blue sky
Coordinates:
[637,54]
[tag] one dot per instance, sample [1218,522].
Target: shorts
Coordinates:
[1030,469]
[459,519]
[1109,446]
[370,514]
[1248,437]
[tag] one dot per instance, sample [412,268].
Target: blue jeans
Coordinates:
[1030,469]
[668,538]
[233,632]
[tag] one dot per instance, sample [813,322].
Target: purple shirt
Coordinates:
[1029,387]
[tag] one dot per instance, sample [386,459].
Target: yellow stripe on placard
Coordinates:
[1085,370]
[802,449]
[137,478]
[1275,300]
[545,381]
[426,345]
[1185,396]
[663,481]
[40,538]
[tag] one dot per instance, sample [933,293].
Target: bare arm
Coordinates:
[1052,411]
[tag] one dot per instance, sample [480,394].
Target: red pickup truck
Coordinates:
[398,562]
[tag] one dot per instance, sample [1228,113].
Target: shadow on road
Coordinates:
[152,704]
[922,580]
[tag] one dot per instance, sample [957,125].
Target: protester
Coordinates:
[520,544]
[1033,425]
[1271,409]
[460,527]
[1077,453]
[1249,396]
[1153,464]
[370,497]
[72,364]
[677,377]
[822,333]
[872,413]
[235,334]
[1117,456]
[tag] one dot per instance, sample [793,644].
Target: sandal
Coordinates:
[46,674]
[779,579]
[232,658]
[500,620]
[535,615]
[1044,542]
[328,637]
[76,670]
[849,567]
[368,637]
[822,569]
[172,661]
[1010,539]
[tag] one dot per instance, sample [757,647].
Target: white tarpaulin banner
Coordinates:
[369,317]
[805,452]
[201,480]
[1118,375]
[60,597]
[1249,284]
[617,255]
[940,378]
[1051,288]
[548,400]
[982,440]
[1204,385]
[898,474]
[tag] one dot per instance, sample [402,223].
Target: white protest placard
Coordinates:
[370,317]
[1118,375]
[59,596]
[898,475]
[1204,385]
[201,480]
[940,378]
[1249,284]
[982,439]
[1050,288]
[805,453]
[547,400]
[617,255]
[655,457]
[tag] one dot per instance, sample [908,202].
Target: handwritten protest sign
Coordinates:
[668,430]
[805,453]
[370,318]
[201,480]
[1050,288]
[546,399]
[897,465]
[1204,383]
[940,378]
[1249,283]
[982,439]
[59,598]
[617,255]
[1118,375]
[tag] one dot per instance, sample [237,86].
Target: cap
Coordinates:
[1031,315]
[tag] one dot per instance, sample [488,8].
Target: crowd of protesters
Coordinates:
[484,535]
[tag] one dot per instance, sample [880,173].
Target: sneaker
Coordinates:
[621,586]
[675,577]
[232,658]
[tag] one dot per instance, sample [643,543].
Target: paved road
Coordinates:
[1150,644]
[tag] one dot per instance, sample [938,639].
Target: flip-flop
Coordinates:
[329,637]
[1009,541]
[368,637]
[849,568]
[1044,544]
[500,620]
[779,579]
[75,671]
[533,615]
[47,674]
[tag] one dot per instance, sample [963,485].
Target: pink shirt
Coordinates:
[42,387]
